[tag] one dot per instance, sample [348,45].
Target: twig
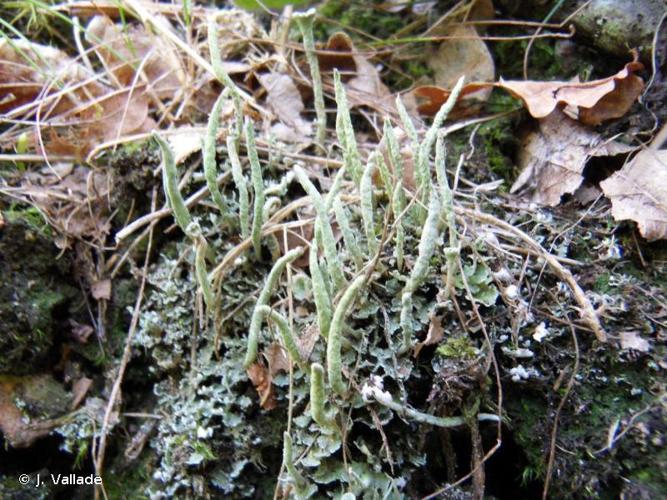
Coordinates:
[587,313]
[127,352]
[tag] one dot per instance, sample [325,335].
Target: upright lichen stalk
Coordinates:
[305,23]
[367,209]
[345,131]
[452,251]
[210,165]
[320,294]
[334,363]
[323,230]
[258,188]
[170,183]
[427,244]
[263,300]
[425,148]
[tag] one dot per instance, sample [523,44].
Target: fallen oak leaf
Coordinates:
[595,101]
[639,192]
[553,158]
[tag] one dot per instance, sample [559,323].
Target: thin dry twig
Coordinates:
[127,353]
[587,312]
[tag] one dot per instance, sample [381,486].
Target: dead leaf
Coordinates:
[597,101]
[593,102]
[277,359]
[185,141]
[553,158]
[81,332]
[75,200]
[125,50]
[435,334]
[639,192]
[431,98]
[632,340]
[79,390]
[306,341]
[464,54]
[284,99]
[101,290]
[261,380]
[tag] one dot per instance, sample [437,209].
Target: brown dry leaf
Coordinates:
[101,289]
[632,340]
[365,88]
[284,99]
[261,380]
[84,113]
[594,101]
[75,200]
[277,359]
[126,49]
[464,54]
[80,332]
[435,334]
[79,390]
[431,98]
[639,192]
[306,342]
[553,158]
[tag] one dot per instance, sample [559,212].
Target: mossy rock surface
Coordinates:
[35,286]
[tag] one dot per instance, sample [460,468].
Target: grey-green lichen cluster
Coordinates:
[369,295]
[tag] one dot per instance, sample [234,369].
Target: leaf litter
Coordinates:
[553,158]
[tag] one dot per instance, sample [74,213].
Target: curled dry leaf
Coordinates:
[74,199]
[261,379]
[594,102]
[553,158]
[639,192]
[435,333]
[284,99]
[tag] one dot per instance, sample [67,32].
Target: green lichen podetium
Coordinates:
[334,363]
[422,169]
[323,229]
[320,293]
[317,397]
[263,300]
[258,189]
[345,131]
[208,152]
[305,22]
[426,249]
[366,192]
[170,183]
[216,61]
[285,331]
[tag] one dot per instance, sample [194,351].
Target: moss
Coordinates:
[34,288]
[360,15]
